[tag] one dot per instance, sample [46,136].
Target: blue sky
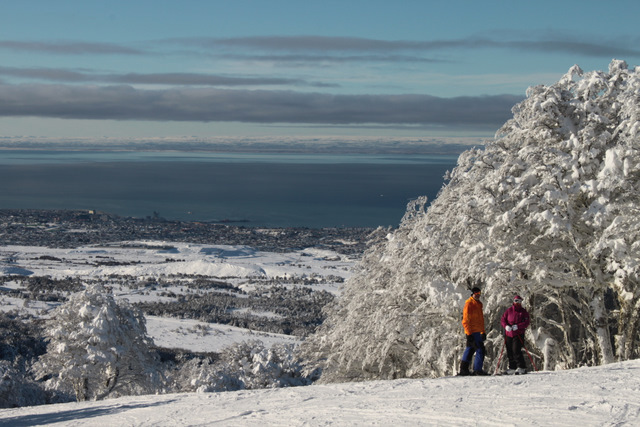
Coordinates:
[353,67]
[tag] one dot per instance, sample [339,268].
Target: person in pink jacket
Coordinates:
[515,321]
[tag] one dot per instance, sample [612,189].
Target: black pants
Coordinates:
[514,351]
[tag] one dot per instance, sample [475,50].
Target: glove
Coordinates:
[514,328]
[507,328]
[484,337]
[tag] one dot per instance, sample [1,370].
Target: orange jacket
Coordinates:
[472,317]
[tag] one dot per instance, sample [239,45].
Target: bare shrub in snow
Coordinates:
[296,310]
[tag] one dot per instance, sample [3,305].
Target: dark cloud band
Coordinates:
[69,48]
[184,79]
[359,48]
[209,105]
[556,43]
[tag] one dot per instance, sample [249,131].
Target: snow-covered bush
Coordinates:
[246,365]
[21,339]
[548,209]
[16,389]
[261,367]
[98,348]
[20,344]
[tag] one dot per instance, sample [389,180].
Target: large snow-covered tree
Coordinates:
[98,347]
[547,209]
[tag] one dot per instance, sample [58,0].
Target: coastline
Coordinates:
[73,228]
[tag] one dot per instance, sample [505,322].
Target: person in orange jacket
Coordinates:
[473,322]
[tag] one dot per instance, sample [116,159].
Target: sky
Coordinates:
[402,68]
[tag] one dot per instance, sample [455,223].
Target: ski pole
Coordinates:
[500,358]
[528,354]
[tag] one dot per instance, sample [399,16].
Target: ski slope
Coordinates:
[601,396]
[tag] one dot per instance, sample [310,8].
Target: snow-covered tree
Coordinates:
[547,209]
[98,348]
[244,365]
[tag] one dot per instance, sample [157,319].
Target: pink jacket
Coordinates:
[515,315]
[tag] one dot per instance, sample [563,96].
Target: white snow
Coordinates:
[605,395]
[207,260]
[241,266]
[205,337]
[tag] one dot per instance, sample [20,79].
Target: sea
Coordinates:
[249,189]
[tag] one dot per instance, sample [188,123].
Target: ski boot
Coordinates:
[464,369]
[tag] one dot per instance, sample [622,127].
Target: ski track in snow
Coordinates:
[601,396]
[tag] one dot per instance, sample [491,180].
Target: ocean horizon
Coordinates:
[251,189]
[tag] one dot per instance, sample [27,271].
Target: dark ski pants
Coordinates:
[514,351]
[475,345]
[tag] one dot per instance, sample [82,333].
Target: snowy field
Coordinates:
[156,271]
[161,271]
[601,396]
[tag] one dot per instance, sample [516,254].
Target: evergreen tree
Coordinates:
[98,348]
[547,209]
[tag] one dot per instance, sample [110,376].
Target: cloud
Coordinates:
[568,46]
[301,43]
[197,79]
[185,79]
[260,106]
[53,74]
[293,58]
[314,48]
[69,48]
[362,49]
[318,45]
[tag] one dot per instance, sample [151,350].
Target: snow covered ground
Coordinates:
[176,264]
[192,335]
[606,395]
[156,258]
[601,396]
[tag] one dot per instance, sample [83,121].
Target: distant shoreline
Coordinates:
[60,228]
[96,214]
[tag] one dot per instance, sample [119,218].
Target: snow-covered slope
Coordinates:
[175,262]
[159,258]
[605,395]
[192,335]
